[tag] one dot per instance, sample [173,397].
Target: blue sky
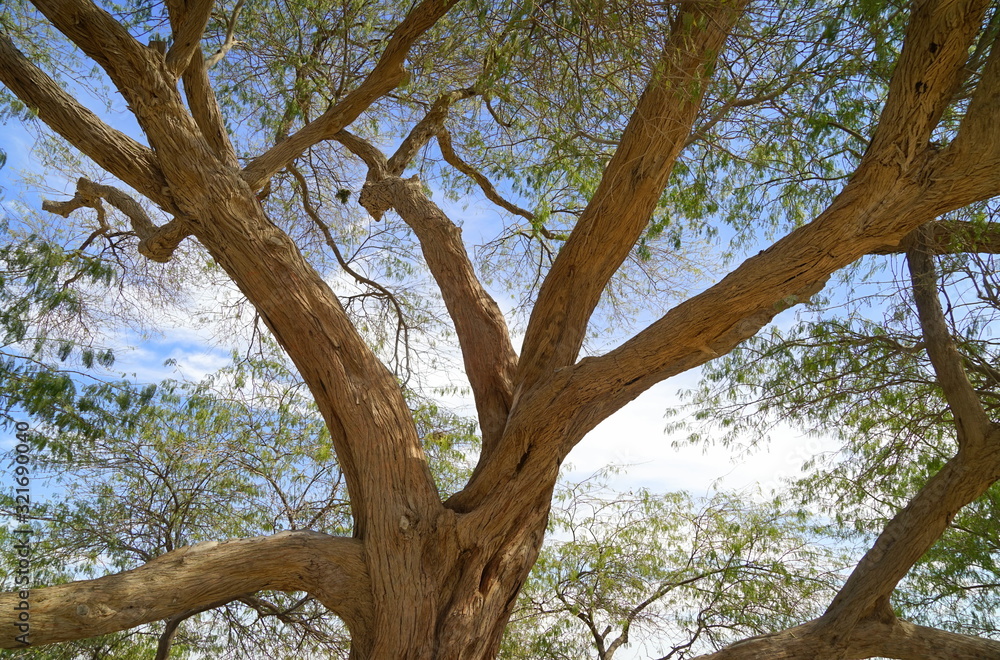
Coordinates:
[634,436]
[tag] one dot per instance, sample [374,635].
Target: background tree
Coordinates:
[617,93]
[868,377]
[666,576]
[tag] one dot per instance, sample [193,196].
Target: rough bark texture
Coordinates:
[430,579]
[332,568]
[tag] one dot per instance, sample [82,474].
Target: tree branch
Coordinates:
[166,639]
[908,641]
[978,136]
[910,534]
[453,159]
[330,568]
[141,76]
[139,73]
[133,163]
[375,160]
[489,358]
[189,19]
[205,110]
[201,99]
[155,243]
[951,237]
[871,638]
[229,41]
[928,73]
[628,192]
[425,129]
[971,419]
[892,193]
[387,74]
[487,352]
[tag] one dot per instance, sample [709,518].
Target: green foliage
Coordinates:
[868,382]
[38,283]
[666,574]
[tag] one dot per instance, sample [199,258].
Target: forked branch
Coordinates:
[137,71]
[425,129]
[929,71]
[386,75]
[155,243]
[189,18]
[204,107]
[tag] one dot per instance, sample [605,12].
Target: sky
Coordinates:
[634,437]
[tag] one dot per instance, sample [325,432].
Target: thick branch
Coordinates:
[378,165]
[387,74]
[928,73]
[489,358]
[189,18]
[907,641]
[141,76]
[205,110]
[973,157]
[978,136]
[487,352]
[201,99]
[912,532]
[189,578]
[951,237]
[156,243]
[114,151]
[971,419]
[890,638]
[628,191]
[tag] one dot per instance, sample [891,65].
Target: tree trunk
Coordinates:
[438,580]
[455,599]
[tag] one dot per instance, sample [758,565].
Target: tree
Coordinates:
[666,575]
[426,576]
[870,378]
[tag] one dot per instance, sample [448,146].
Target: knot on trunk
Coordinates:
[376,197]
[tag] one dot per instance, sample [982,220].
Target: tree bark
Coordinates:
[430,579]
[331,568]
